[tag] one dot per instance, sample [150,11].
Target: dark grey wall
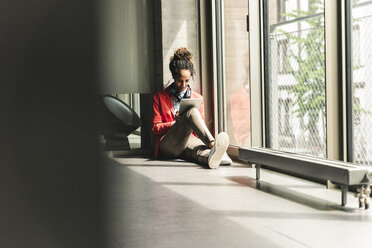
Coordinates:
[158,47]
[126,46]
[49,171]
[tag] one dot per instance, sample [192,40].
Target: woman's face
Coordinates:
[182,81]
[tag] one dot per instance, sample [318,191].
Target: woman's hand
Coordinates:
[177,117]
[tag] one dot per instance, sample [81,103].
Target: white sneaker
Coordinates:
[218,150]
[226,160]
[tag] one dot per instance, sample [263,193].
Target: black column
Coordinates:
[49,169]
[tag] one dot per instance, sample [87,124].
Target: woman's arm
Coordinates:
[159,126]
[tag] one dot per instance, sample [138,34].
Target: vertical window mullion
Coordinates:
[256,52]
[220,94]
[348,80]
[266,70]
[334,84]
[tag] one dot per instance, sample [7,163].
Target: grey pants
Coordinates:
[179,142]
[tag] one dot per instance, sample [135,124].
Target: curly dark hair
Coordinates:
[181,60]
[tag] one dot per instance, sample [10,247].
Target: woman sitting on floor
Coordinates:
[185,136]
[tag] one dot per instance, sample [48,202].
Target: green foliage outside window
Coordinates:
[309,67]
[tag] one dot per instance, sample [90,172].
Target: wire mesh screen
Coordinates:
[362,89]
[297,120]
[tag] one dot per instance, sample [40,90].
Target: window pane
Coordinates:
[295,74]
[133,101]
[237,72]
[361,48]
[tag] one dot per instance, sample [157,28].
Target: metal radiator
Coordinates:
[340,173]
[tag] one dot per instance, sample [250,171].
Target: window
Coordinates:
[284,117]
[361,64]
[237,88]
[357,114]
[281,10]
[294,99]
[295,72]
[283,56]
[356,45]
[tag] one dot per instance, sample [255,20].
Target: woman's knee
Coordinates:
[192,112]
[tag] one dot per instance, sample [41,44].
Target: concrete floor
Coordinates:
[180,204]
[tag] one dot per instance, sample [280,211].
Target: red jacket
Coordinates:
[163,114]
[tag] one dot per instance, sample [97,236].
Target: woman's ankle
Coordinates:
[211,144]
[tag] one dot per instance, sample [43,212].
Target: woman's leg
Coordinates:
[196,150]
[174,142]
